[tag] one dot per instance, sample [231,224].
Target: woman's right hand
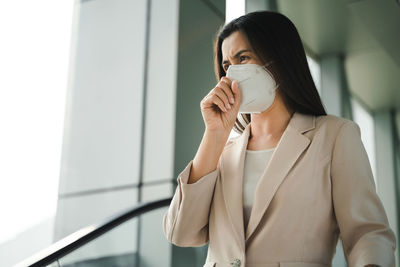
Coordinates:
[215,105]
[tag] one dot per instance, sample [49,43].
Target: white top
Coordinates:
[254,165]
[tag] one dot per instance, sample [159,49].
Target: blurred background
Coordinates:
[100,111]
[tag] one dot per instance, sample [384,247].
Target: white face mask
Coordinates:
[256,84]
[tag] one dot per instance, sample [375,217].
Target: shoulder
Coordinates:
[334,123]
[332,131]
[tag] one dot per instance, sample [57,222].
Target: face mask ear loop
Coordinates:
[267,70]
[268,63]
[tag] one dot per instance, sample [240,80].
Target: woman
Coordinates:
[294,181]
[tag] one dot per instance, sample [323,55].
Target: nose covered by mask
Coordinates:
[256,84]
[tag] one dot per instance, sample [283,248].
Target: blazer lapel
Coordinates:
[289,148]
[232,164]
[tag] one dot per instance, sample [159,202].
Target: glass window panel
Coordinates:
[115,248]
[315,72]
[133,243]
[366,122]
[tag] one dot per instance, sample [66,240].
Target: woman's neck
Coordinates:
[270,123]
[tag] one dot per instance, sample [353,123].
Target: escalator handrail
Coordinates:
[83,236]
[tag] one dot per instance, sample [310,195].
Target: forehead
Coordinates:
[235,42]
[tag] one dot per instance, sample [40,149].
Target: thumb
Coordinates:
[236,91]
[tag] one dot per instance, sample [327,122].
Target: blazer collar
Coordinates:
[289,148]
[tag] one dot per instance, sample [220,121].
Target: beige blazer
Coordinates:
[317,187]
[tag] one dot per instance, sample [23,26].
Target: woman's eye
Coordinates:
[242,58]
[226,67]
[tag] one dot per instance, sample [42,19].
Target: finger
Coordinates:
[227,90]
[226,80]
[222,94]
[216,100]
[237,93]
[235,88]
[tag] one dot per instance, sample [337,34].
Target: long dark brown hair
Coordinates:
[273,37]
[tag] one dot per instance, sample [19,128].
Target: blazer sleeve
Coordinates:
[186,221]
[364,228]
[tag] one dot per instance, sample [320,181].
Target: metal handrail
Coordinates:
[87,234]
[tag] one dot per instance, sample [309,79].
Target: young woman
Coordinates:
[293,182]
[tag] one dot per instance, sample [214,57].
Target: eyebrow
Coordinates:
[235,56]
